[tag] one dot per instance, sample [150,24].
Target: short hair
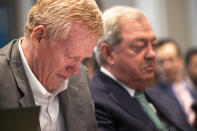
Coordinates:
[112,19]
[189,55]
[57,17]
[164,41]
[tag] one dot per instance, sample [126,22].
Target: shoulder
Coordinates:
[101,82]
[9,93]
[6,55]
[102,94]
[100,86]
[78,95]
[159,87]
[5,58]
[5,52]
[79,84]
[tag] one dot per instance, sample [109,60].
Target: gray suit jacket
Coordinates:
[75,102]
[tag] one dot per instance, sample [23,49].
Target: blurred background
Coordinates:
[170,18]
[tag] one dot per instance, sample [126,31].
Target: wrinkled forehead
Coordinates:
[137,29]
[80,41]
[136,24]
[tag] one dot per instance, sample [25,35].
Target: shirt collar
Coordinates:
[109,74]
[37,88]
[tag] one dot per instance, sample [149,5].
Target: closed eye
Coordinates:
[138,46]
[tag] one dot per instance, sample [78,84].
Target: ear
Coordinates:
[37,35]
[107,53]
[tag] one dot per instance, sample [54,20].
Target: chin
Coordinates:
[55,83]
[142,88]
[149,80]
[149,76]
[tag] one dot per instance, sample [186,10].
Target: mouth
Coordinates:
[170,73]
[150,68]
[63,76]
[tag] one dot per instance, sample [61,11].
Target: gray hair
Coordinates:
[112,19]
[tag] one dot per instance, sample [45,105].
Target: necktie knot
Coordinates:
[139,95]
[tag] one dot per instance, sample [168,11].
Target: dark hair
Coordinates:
[189,55]
[164,41]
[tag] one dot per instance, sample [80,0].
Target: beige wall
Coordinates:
[193,22]
[179,22]
[169,18]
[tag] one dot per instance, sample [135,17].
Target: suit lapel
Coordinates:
[167,106]
[121,97]
[20,76]
[71,106]
[63,98]
[16,65]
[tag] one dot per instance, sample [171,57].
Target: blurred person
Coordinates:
[191,70]
[191,67]
[171,78]
[44,68]
[126,54]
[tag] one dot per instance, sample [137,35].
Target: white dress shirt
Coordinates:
[50,118]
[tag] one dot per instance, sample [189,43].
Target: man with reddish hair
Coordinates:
[44,68]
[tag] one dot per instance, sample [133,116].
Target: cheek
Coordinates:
[59,64]
[137,63]
[176,67]
[129,66]
[133,62]
[193,70]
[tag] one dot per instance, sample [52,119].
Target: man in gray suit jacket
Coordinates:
[44,68]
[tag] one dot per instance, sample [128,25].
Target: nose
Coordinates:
[166,65]
[150,54]
[74,69]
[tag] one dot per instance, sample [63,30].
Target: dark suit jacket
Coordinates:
[117,111]
[75,102]
[161,93]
